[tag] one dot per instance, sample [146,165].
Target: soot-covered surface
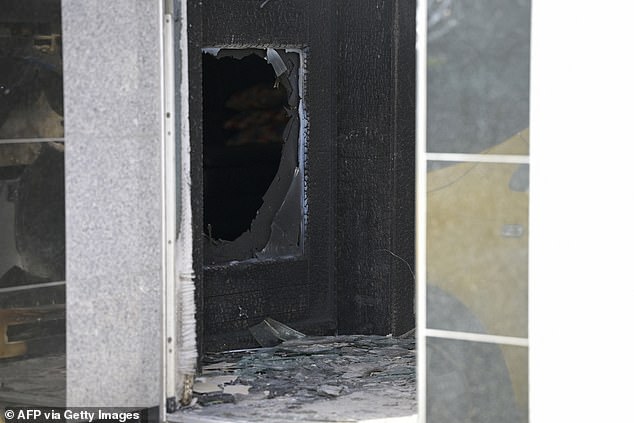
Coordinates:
[328,378]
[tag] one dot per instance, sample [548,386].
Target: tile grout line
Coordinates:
[478,158]
[477,337]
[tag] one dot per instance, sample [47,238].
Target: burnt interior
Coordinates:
[253,179]
[32,215]
[245,116]
[268,228]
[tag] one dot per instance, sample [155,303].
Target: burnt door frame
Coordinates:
[376,104]
[301,290]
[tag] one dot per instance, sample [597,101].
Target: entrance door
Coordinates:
[302,134]
[263,154]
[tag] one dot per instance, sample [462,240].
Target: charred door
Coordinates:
[262,113]
[302,132]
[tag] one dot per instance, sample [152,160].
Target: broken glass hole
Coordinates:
[251,126]
[244,119]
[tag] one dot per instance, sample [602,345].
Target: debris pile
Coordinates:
[312,378]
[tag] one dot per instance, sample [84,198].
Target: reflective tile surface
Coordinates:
[477,73]
[31,95]
[32,205]
[32,211]
[476,382]
[477,248]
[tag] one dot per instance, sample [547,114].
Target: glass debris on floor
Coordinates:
[325,378]
[270,332]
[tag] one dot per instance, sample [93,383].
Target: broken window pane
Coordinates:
[32,208]
[477,254]
[253,178]
[31,100]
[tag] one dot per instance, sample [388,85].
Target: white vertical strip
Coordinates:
[169,211]
[161,49]
[421,208]
[303,137]
[187,354]
[581,210]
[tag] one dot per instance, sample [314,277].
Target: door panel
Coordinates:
[298,288]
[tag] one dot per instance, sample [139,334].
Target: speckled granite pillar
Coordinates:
[112,105]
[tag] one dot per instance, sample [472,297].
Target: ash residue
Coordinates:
[316,377]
